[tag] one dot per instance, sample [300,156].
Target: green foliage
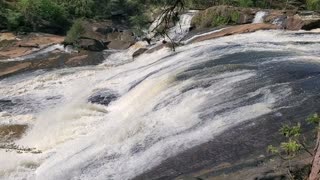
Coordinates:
[75,32]
[14,19]
[315,119]
[220,20]
[289,148]
[272,149]
[139,23]
[77,8]
[313,4]
[37,11]
[216,16]
[235,16]
[291,131]
[292,147]
[294,143]
[245,3]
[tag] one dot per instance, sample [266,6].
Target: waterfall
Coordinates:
[259,17]
[181,28]
[163,104]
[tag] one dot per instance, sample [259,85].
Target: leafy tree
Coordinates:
[36,12]
[78,8]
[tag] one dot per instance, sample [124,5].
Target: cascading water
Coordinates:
[43,51]
[259,17]
[163,104]
[177,32]
[182,27]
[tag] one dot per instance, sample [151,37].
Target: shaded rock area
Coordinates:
[91,44]
[103,97]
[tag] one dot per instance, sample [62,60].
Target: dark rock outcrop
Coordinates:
[91,44]
[103,97]
[101,35]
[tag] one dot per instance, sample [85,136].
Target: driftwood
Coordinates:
[29,45]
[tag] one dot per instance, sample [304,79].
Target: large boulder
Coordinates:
[294,23]
[99,35]
[223,15]
[91,44]
[120,40]
[311,20]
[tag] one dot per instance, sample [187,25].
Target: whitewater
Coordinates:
[162,104]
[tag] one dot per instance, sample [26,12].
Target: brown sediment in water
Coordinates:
[12,132]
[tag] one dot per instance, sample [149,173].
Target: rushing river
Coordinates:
[155,107]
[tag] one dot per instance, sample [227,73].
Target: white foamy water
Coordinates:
[168,102]
[259,17]
[44,51]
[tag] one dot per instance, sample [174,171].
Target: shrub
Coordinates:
[313,4]
[220,20]
[75,32]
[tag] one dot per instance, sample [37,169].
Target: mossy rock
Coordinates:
[223,15]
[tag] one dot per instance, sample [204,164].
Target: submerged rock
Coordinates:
[11,132]
[5,103]
[103,97]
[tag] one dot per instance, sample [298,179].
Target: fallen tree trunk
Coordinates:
[29,45]
[315,171]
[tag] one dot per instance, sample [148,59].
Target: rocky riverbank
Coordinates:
[19,53]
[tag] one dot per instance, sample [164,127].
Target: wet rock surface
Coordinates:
[103,97]
[13,46]
[11,132]
[50,61]
[240,29]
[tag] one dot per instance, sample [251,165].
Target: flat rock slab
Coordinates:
[53,60]
[25,45]
[246,28]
